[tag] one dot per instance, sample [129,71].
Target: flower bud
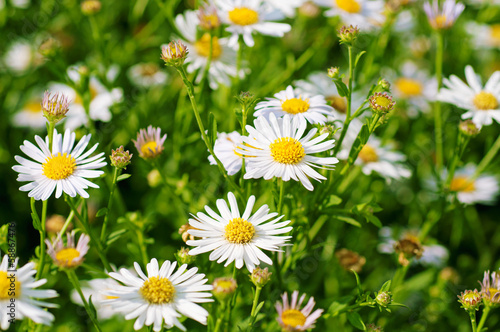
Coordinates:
[49,47]
[174,54]
[224,288]
[384,84]
[55,107]
[91,7]
[209,19]
[333,72]
[381,102]
[470,300]
[407,248]
[55,223]
[350,260]
[468,128]
[383,299]
[183,256]
[120,158]
[348,34]
[260,277]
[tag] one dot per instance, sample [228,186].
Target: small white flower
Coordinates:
[276,148]
[483,189]
[161,296]
[69,255]
[26,306]
[482,103]
[19,57]
[287,7]
[235,237]
[292,318]
[31,115]
[248,16]
[223,65]
[145,75]
[65,168]
[314,109]
[484,35]
[366,14]
[445,16]
[96,288]
[225,149]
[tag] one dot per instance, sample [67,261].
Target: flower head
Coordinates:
[468,128]
[383,298]
[292,318]
[96,288]
[381,102]
[490,289]
[444,17]
[55,107]
[225,149]
[350,260]
[174,53]
[68,256]
[348,34]
[470,300]
[231,236]
[224,288]
[407,248]
[260,277]
[27,298]
[161,296]
[209,17]
[90,7]
[65,168]
[120,158]
[470,189]
[150,142]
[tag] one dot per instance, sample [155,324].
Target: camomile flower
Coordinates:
[96,288]
[490,288]
[64,169]
[145,75]
[481,102]
[366,14]
[225,149]
[223,64]
[150,142]
[276,148]
[286,7]
[30,115]
[484,35]
[27,297]
[69,255]
[444,16]
[291,317]
[231,236]
[483,189]
[314,109]
[161,296]
[245,17]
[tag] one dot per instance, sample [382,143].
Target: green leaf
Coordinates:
[102,212]
[386,286]
[358,57]
[212,129]
[359,143]
[336,307]
[36,221]
[348,220]
[92,307]
[342,89]
[333,200]
[115,236]
[374,220]
[395,304]
[123,177]
[356,321]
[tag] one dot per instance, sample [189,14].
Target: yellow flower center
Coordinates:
[495,33]
[59,167]
[293,318]
[239,231]
[66,256]
[158,290]
[350,6]
[243,16]
[339,103]
[295,105]
[485,101]
[493,291]
[224,284]
[203,46]
[287,150]
[471,296]
[409,87]
[382,101]
[33,107]
[462,184]
[368,154]
[149,149]
[440,21]
[6,287]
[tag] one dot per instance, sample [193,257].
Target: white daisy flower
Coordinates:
[223,64]
[25,292]
[160,296]
[314,109]
[286,7]
[248,16]
[291,317]
[483,189]
[145,75]
[225,149]
[96,288]
[235,237]
[65,168]
[481,102]
[276,148]
[31,115]
[69,255]
[366,14]
[484,35]
[444,16]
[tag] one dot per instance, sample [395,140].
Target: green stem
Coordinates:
[43,234]
[65,226]
[76,284]
[50,131]
[207,66]
[462,142]
[255,301]
[110,203]
[486,311]
[399,276]
[438,117]
[220,317]
[142,246]
[239,57]
[472,315]
[488,158]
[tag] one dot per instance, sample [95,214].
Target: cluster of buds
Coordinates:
[408,248]
[209,19]
[260,277]
[350,260]
[183,256]
[120,158]
[383,298]
[174,54]
[470,300]
[90,7]
[348,34]
[468,128]
[55,106]
[381,102]
[224,288]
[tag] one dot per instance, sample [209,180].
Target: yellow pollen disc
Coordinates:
[493,291]
[295,105]
[368,154]
[382,101]
[158,290]
[203,46]
[148,147]
[409,87]
[59,167]
[339,103]
[65,257]
[471,296]
[225,284]
[7,287]
[350,6]
[243,16]
[485,101]
[33,107]
[239,231]
[462,184]
[293,318]
[440,21]
[495,33]
[287,150]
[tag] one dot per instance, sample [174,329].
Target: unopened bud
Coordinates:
[224,288]
[174,54]
[333,72]
[120,158]
[348,34]
[90,7]
[383,299]
[470,300]
[468,128]
[260,277]
[183,256]
[55,106]
[381,102]
[384,84]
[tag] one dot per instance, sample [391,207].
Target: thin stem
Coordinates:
[142,246]
[438,117]
[207,66]
[110,203]
[462,142]
[43,234]
[486,311]
[399,276]
[488,158]
[472,315]
[253,314]
[239,57]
